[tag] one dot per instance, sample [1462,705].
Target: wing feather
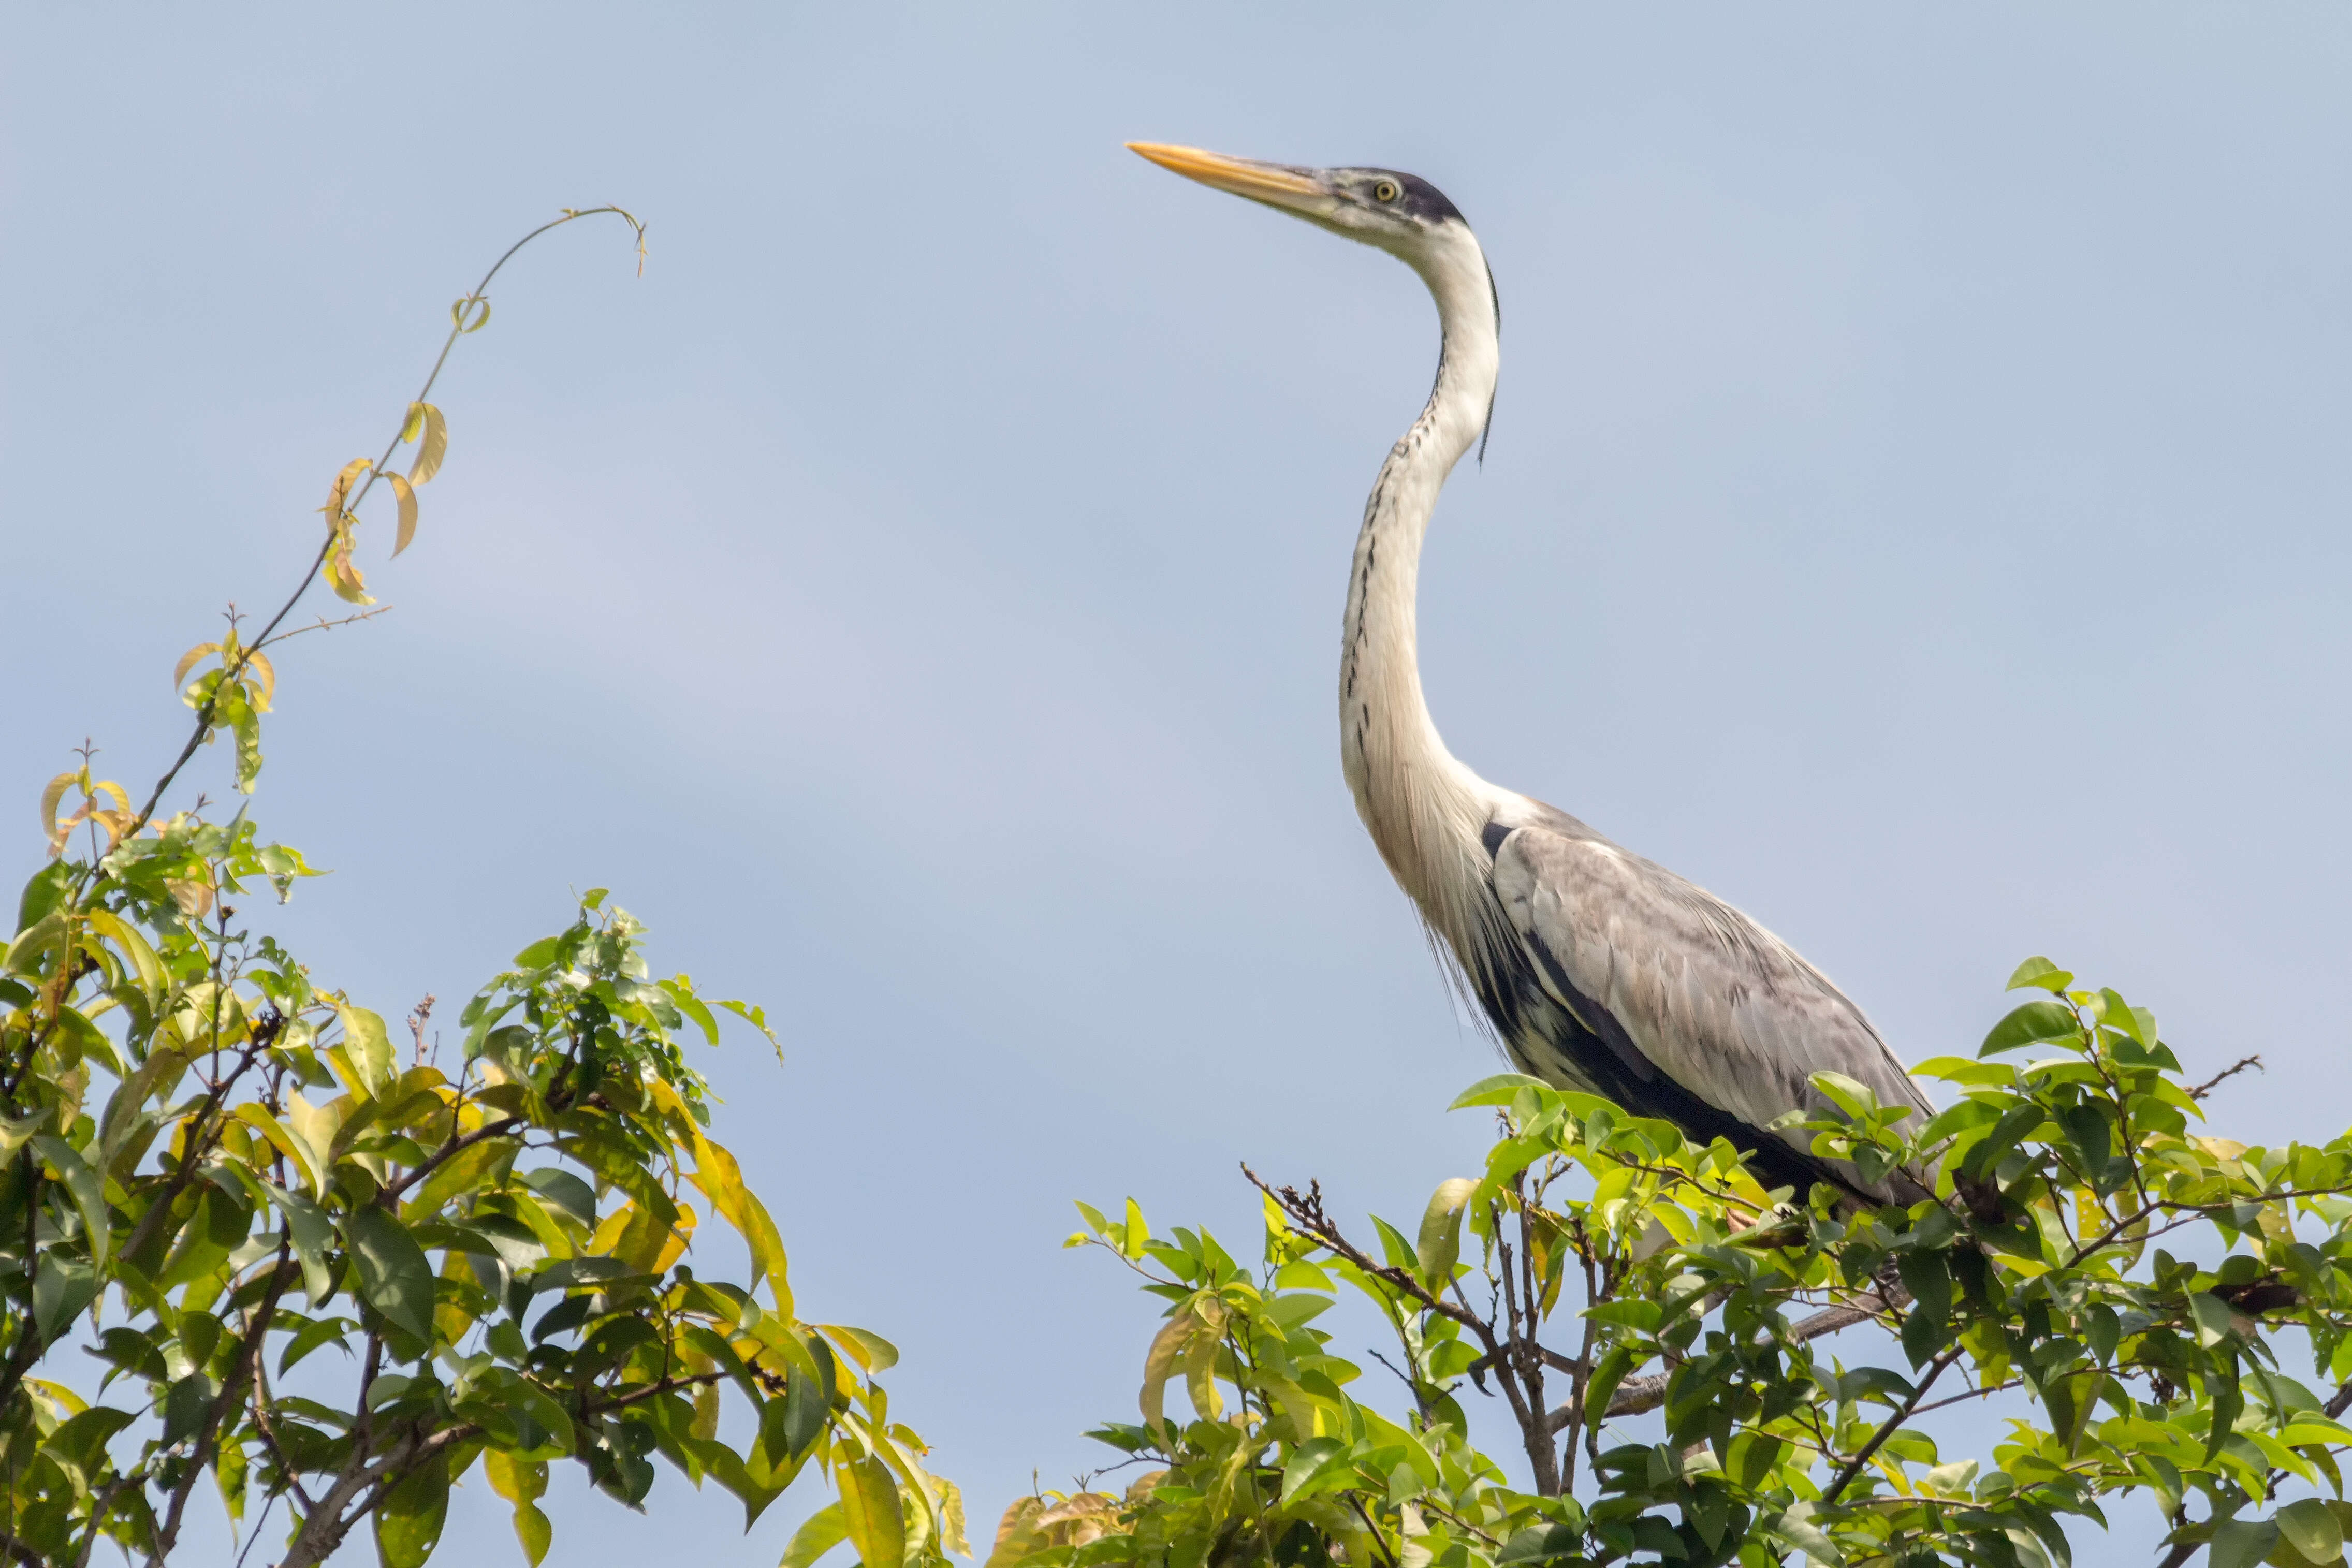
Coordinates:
[1706,996]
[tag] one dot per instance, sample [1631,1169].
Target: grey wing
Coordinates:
[1722,1007]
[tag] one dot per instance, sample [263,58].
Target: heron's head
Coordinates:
[1403,213]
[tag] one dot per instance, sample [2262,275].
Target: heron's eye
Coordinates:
[1386,191]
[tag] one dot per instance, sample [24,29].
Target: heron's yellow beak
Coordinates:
[1274,183]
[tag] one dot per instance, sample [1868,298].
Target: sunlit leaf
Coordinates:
[870,1514]
[818,1535]
[2040,972]
[523,1483]
[179,673]
[404,493]
[2030,1022]
[433,448]
[1440,1243]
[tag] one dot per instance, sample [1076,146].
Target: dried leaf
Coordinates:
[432,448]
[49,799]
[341,573]
[405,494]
[189,659]
[266,686]
[343,485]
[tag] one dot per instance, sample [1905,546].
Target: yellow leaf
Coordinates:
[1158,1365]
[817,1535]
[194,899]
[523,1483]
[58,1396]
[188,662]
[951,1525]
[257,1117]
[344,577]
[316,1126]
[343,485]
[1017,1533]
[143,959]
[405,494]
[265,685]
[1201,1376]
[49,799]
[366,1050]
[866,1348]
[433,448]
[869,1509]
[413,423]
[721,1181]
[1440,1243]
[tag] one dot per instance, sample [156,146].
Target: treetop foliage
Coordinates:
[2131,1291]
[216,1169]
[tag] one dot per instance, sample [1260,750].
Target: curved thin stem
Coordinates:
[311,575]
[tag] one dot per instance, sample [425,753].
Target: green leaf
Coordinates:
[818,1535]
[1541,1543]
[61,1288]
[564,1190]
[1929,1282]
[2311,1529]
[2040,972]
[1498,1090]
[1856,1099]
[2031,1022]
[43,894]
[1797,1528]
[393,1276]
[1605,1379]
[1440,1242]
[1315,1463]
[2241,1543]
[870,1514]
[88,1192]
[312,1232]
[2213,1318]
[408,1521]
[2118,1014]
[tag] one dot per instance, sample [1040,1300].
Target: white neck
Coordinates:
[1424,809]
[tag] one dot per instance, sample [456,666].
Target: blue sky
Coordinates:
[1915,510]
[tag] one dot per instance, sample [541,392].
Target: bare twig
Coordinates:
[391,1192]
[2230,1071]
[417,1018]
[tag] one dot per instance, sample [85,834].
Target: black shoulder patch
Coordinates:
[1492,835]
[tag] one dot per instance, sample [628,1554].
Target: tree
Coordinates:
[2127,1289]
[214,1166]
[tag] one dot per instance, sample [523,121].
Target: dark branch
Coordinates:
[2230,1071]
